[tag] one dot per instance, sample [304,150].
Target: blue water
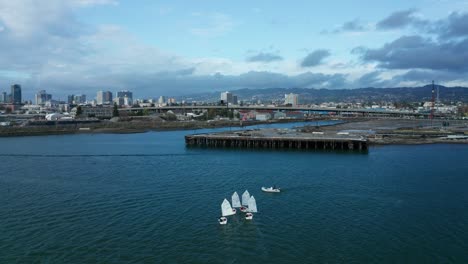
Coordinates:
[133,198]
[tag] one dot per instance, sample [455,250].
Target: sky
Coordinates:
[178,47]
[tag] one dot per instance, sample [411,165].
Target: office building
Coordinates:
[79,99]
[291,99]
[161,100]
[3,97]
[71,99]
[16,94]
[104,97]
[228,98]
[126,96]
[42,97]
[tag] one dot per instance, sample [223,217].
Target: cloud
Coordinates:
[264,57]
[416,52]
[351,26]
[397,20]
[426,76]
[455,25]
[315,58]
[371,79]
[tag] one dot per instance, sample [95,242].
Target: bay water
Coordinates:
[146,198]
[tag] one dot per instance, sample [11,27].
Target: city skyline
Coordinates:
[175,48]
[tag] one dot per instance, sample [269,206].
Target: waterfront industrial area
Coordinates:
[354,126]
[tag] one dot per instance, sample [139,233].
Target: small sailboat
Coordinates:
[245,201]
[226,210]
[252,208]
[235,200]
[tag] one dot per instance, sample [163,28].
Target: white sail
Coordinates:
[226,209]
[245,198]
[252,205]
[235,200]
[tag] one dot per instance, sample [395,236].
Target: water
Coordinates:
[146,198]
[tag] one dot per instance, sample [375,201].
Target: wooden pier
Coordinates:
[272,141]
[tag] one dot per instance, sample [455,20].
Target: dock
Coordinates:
[279,139]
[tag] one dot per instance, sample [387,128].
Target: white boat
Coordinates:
[235,200]
[271,189]
[226,210]
[222,220]
[252,208]
[245,201]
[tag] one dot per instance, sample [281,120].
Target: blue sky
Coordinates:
[183,47]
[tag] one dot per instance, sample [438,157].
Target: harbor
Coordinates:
[280,139]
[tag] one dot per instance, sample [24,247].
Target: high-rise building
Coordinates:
[16,94]
[42,97]
[125,94]
[3,97]
[79,99]
[104,97]
[71,99]
[161,100]
[119,101]
[127,97]
[292,99]
[227,97]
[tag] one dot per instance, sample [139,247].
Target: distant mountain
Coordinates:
[308,95]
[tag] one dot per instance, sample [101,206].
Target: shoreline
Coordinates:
[130,127]
[384,131]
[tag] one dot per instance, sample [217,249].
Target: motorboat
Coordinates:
[271,189]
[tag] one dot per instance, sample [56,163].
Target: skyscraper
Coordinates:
[3,97]
[227,97]
[125,94]
[16,94]
[79,99]
[104,97]
[42,97]
[162,100]
[127,97]
[71,99]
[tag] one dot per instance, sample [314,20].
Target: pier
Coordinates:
[279,139]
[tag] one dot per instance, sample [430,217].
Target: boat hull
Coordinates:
[222,220]
[270,190]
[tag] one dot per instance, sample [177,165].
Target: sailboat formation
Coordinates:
[248,206]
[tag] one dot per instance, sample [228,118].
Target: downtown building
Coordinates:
[104,97]
[15,94]
[76,99]
[42,97]
[124,98]
[3,97]
[228,98]
[291,99]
